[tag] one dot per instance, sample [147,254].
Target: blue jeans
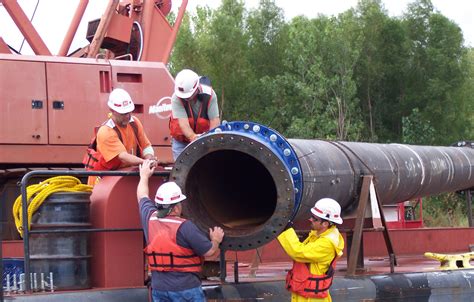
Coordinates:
[177,147]
[195,294]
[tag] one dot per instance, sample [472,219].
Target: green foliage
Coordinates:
[361,75]
[436,71]
[416,130]
[445,210]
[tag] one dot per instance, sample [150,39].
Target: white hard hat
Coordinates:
[186,83]
[169,193]
[328,209]
[120,101]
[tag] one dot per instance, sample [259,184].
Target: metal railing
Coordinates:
[24,202]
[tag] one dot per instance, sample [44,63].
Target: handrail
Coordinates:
[24,202]
[124,56]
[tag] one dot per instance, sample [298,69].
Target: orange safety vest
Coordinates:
[93,159]
[164,254]
[301,282]
[199,123]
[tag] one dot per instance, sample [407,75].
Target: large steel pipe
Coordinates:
[250,180]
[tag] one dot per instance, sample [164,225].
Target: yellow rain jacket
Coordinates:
[317,250]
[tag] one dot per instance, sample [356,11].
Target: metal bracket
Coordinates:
[368,191]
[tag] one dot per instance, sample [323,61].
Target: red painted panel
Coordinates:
[117,258]
[158,37]
[47,154]
[151,86]
[84,104]
[41,154]
[119,28]
[21,84]
[405,242]
[4,47]
[12,249]
[419,241]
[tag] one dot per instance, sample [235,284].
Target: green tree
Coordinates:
[266,29]
[267,34]
[370,70]
[436,72]
[361,75]
[315,97]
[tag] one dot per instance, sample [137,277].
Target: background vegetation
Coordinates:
[360,76]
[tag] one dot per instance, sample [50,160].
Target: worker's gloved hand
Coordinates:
[289,225]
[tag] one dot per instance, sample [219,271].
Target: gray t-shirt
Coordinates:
[188,236]
[179,112]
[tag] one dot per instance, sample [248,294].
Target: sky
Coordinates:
[52,17]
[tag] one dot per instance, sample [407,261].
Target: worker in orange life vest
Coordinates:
[121,140]
[314,259]
[194,109]
[175,246]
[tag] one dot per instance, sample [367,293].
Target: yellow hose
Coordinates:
[37,194]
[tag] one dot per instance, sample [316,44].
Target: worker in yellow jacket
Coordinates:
[315,258]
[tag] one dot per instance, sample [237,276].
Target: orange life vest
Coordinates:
[164,254]
[93,159]
[300,281]
[199,123]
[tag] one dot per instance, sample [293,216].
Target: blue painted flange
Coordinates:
[276,143]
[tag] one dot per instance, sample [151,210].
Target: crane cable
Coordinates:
[37,194]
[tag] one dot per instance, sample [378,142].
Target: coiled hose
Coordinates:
[37,194]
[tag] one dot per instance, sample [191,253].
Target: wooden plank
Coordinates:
[358,227]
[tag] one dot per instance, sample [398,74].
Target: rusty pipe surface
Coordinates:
[250,180]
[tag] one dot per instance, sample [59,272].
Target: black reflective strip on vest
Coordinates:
[317,289]
[171,256]
[135,131]
[203,99]
[329,274]
[319,279]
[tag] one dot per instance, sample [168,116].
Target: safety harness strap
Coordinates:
[171,257]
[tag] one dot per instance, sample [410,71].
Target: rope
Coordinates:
[38,193]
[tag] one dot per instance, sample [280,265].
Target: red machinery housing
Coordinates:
[50,104]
